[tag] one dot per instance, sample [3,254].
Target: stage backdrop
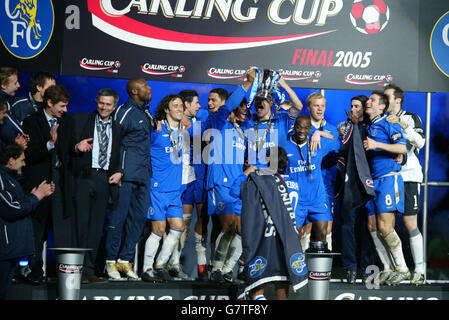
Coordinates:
[330,44]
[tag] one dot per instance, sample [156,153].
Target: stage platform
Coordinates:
[194,290]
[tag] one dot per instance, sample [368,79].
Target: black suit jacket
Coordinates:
[39,161]
[82,163]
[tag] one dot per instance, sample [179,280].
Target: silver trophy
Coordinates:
[267,84]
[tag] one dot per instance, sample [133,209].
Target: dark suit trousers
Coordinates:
[7,268]
[355,235]
[92,195]
[49,215]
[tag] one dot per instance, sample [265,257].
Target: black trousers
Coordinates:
[91,198]
[355,237]
[6,274]
[50,216]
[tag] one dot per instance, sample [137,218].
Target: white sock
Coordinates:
[177,251]
[185,234]
[381,250]
[122,261]
[305,241]
[394,243]
[416,246]
[151,246]
[168,245]
[176,254]
[234,253]
[329,241]
[200,249]
[241,263]
[221,250]
[259,297]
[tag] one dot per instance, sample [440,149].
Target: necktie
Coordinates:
[53,122]
[103,143]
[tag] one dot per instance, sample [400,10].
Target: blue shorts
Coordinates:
[193,193]
[237,207]
[164,205]
[188,197]
[389,194]
[331,204]
[370,209]
[220,201]
[305,215]
[200,195]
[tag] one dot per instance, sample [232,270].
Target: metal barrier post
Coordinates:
[426,178]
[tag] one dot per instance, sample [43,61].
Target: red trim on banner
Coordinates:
[218,76]
[130,25]
[86,66]
[156,73]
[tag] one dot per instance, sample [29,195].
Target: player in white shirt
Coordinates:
[411,173]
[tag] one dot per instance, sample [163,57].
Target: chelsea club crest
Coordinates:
[257,266]
[26,26]
[298,264]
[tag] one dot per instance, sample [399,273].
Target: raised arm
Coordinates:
[297,104]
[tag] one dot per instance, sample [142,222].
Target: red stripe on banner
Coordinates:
[220,76]
[157,73]
[85,66]
[130,25]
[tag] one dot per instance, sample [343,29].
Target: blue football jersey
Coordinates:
[329,170]
[226,151]
[280,124]
[382,162]
[293,192]
[166,160]
[304,166]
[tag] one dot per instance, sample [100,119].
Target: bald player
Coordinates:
[127,217]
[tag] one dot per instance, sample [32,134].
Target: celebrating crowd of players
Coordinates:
[121,167]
